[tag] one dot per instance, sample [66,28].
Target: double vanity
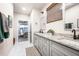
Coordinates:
[56,45]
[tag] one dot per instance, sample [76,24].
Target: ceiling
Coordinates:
[26,8]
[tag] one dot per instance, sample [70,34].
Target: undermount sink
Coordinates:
[60,37]
[57,36]
[66,38]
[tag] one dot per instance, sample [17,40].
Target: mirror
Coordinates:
[72,14]
[54,12]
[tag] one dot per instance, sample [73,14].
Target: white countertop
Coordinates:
[70,42]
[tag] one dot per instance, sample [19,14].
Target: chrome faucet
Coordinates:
[74,35]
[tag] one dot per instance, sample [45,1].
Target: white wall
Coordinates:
[43,21]
[6,46]
[18,17]
[35,20]
[56,26]
[70,15]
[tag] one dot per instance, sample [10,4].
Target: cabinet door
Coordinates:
[34,41]
[42,46]
[61,50]
[55,52]
[46,48]
[39,44]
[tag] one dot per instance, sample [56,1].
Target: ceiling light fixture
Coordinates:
[23,8]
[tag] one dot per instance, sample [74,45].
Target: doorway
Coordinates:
[23,31]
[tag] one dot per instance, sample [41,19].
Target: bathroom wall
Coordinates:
[7,45]
[18,17]
[35,20]
[70,15]
[57,26]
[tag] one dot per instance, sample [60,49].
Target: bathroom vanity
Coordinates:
[56,45]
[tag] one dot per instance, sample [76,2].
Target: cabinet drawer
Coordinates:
[55,52]
[64,50]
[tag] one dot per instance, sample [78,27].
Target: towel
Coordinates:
[4,29]
[5,23]
[1,28]
[5,26]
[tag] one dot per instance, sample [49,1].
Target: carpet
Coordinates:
[32,51]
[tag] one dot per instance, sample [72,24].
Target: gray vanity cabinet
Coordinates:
[45,47]
[42,44]
[38,43]
[54,50]
[57,49]
[48,47]
[35,42]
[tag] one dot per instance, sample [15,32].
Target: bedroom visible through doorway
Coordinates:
[23,31]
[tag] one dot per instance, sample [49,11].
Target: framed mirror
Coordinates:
[54,12]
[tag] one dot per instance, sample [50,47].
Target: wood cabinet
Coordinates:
[54,12]
[48,47]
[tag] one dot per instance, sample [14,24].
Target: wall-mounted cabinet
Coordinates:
[54,12]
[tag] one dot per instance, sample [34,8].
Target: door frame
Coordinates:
[28,30]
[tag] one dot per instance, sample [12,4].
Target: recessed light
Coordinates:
[23,8]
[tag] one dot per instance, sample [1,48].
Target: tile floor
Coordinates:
[19,49]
